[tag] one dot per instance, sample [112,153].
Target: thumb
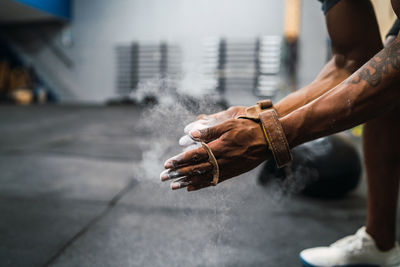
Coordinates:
[201,117]
[209,134]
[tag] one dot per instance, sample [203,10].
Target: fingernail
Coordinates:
[195,134]
[164,176]
[168,164]
[175,185]
[172,162]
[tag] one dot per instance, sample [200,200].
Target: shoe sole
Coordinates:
[306,264]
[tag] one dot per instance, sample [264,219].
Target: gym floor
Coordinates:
[72,194]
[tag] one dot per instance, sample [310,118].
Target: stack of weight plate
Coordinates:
[236,67]
[125,80]
[268,66]
[212,84]
[139,63]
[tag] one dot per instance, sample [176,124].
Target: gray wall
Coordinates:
[98,25]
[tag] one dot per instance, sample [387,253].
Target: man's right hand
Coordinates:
[206,121]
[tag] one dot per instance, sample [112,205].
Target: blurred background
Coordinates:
[94,96]
[92,52]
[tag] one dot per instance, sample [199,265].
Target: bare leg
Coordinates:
[381,145]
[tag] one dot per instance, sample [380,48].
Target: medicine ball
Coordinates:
[327,167]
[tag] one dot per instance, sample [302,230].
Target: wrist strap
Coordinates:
[276,137]
[265,113]
[253,112]
[214,162]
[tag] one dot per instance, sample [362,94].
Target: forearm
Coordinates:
[355,38]
[333,73]
[371,90]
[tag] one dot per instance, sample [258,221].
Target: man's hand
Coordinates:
[239,145]
[224,115]
[205,121]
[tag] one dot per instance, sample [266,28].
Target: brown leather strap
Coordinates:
[276,137]
[214,163]
[264,104]
[253,112]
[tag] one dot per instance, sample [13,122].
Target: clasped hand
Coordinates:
[238,145]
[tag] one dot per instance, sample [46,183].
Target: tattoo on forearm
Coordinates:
[378,66]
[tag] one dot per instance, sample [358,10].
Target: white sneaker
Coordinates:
[352,251]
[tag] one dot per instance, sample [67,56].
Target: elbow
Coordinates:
[346,63]
[352,61]
[352,57]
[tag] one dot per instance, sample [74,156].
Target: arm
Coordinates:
[239,145]
[352,46]
[370,91]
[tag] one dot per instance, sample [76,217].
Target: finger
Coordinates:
[196,125]
[188,171]
[186,140]
[193,156]
[201,169]
[169,175]
[191,147]
[211,133]
[196,181]
[180,183]
[201,116]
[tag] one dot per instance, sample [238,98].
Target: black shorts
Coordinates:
[328,4]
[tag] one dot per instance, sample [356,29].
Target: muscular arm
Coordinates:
[333,102]
[352,46]
[370,91]
[355,38]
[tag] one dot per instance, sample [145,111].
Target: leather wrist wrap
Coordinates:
[276,137]
[253,112]
[265,114]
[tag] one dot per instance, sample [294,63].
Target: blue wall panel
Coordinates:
[59,8]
